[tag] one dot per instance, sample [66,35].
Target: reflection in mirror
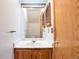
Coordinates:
[36,17]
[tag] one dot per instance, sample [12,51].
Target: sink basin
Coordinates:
[32,44]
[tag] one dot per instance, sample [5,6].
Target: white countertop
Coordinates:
[30,44]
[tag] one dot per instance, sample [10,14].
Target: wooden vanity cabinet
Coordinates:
[24,53]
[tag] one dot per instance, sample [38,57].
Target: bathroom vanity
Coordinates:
[33,50]
[38,37]
[33,53]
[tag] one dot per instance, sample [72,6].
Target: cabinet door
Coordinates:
[19,54]
[23,54]
[27,54]
[44,54]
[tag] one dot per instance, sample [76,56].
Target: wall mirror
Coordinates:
[37,17]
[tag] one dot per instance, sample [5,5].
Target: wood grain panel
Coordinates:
[19,55]
[33,53]
[76,29]
[44,54]
[23,54]
[64,28]
[67,28]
